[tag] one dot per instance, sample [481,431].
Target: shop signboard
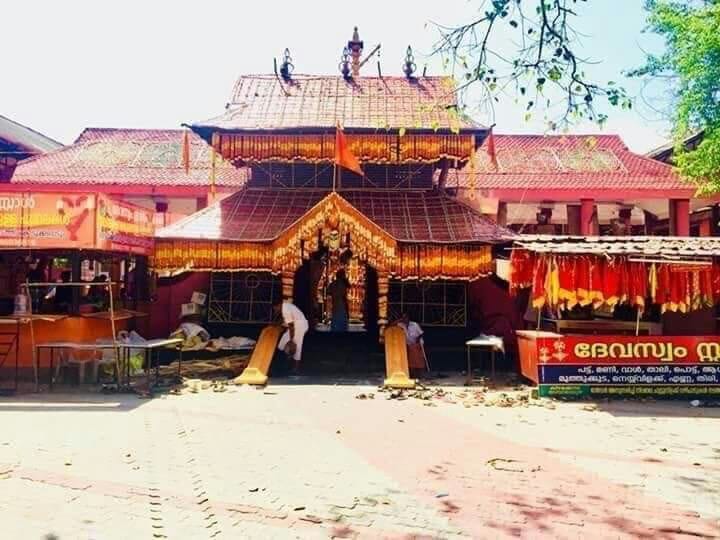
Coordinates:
[124,227]
[46,220]
[625,365]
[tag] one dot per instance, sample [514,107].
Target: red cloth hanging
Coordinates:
[596,282]
[611,281]
[582,273]
[568,288]
[522,267]
[538,294]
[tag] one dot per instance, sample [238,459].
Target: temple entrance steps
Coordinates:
[256,372]
[396,359]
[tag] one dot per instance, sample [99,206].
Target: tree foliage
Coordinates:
[691,63]
[529,48]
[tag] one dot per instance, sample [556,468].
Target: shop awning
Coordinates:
[662,247]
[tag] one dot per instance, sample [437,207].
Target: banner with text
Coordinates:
[46,220]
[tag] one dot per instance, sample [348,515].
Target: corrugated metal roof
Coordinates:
[266,102]
[254,215]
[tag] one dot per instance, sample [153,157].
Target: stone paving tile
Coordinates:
[313,462]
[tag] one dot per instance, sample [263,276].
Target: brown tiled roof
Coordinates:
[574,162]
[265,102]
[130,157]
[665,247]
[255,215]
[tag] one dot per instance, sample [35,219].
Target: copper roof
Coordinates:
[255,215]
[266,102]
[574,162]
[150,157]
[665,247]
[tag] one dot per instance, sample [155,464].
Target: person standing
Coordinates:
[415,344]
[339,293]
[291,342]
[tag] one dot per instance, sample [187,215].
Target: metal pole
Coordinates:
[114,335]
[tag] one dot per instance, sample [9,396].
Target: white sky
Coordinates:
[71,64]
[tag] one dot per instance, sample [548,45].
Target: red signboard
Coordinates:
[632,350]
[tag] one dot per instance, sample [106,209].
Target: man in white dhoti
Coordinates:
[291,341]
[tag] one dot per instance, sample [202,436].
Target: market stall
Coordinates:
[619,315]
[71,265]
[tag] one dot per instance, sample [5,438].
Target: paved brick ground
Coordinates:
[312,461]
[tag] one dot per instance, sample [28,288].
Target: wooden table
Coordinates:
[494,343]
[602,326]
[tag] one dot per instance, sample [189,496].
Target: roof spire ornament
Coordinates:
[409,67]
[355,46]
[344,64]
[287,67]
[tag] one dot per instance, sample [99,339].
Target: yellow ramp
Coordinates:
[257,369]
[396,360]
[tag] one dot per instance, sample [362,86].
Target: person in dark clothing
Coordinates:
[338,292]
[64,295]
[37,275]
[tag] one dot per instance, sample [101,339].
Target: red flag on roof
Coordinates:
[491,149]
[186,151]
[343,156]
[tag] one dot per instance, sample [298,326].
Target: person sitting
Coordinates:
[291,342]
[417,361]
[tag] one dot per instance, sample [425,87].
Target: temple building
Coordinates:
[408,246]
[576,185]
[141,166]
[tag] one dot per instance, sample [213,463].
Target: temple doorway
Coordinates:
[354,349]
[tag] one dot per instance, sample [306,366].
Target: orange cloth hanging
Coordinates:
[343,155]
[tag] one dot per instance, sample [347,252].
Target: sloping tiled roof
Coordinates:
[574,162]
[664,247]
[254,215]
[666,152]
[265,102]
[150,157]
[26,138]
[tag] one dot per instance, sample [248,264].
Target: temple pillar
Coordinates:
[650,223]
[501,216]
[573,219]
[588,218]
[383,289]
[715,220]
[679,217]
